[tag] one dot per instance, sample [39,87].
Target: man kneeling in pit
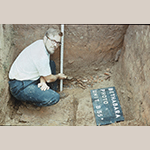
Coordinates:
[32,77]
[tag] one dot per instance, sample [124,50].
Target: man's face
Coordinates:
[53,43]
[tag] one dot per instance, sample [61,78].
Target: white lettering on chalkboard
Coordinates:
[103,90]
[113,101]
[113,98]
[117,111]
[115,104]
[98,107]
[105,102]
[100,115]
[95,93]
[116,108]
[117,116]
[97,100]
[104,96]
[111,92]
[99,111]
[110,89]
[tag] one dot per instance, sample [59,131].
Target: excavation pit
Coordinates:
[95,56]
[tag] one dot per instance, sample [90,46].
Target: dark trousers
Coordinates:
[28,90]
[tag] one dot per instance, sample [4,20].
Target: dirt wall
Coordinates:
[88,46]
[133,73]
[5,62]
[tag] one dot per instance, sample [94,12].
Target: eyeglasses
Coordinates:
[58,43]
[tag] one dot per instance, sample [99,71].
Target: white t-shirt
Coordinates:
[31,63]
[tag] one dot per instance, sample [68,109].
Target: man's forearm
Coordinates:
[42,80]
[53,78]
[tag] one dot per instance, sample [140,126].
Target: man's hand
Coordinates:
[43,86]
[62,76]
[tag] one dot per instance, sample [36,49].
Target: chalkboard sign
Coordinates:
[106,106]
